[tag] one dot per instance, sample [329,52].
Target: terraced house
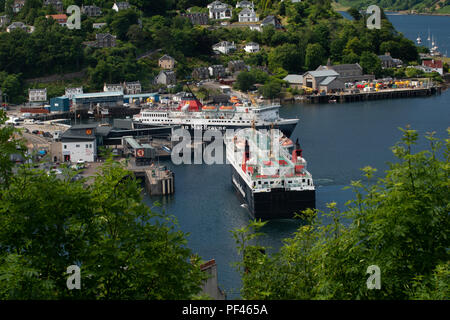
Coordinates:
[91,11]
[56,4]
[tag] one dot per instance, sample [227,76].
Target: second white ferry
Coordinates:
[191,114]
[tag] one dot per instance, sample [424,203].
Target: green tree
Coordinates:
[413,72]
[124,250]
[370,63]
[287,56]
[244,81]
[399,222]
[271,89]
[12,86]
[8,146]
[315,56]
[354,13]
[122,21]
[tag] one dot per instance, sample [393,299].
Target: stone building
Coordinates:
[166,77]
[166,62]
[200,73]
[91,11]
[105,40]
[56,4]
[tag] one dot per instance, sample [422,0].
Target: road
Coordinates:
[213,85]
[36,141]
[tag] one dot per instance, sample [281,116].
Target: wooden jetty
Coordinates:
[373,95]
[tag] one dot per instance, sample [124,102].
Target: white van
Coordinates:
[12,120]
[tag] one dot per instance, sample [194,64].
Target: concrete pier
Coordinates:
[157,179]
[159,182]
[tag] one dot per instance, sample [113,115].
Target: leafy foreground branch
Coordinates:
[125,250]
[399,223]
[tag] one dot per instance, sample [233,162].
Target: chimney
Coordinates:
[297,151]
[246,156]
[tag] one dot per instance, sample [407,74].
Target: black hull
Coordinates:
[277,204]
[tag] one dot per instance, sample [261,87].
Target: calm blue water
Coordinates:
[338,140]
[418,25]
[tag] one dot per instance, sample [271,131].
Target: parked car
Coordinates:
[76,177]
[54,171]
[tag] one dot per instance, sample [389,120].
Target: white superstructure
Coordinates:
[239,115]
[267,159]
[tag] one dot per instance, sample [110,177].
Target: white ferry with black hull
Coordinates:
[191,114]
[269,173]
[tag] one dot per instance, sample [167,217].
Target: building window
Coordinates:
[77,146]
[65,146]
[87,146]
[90,146]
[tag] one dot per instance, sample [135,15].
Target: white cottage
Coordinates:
[224,47]
[219,10]
[251,47]
[248,15]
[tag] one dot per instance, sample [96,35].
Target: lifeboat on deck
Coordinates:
[209,108]
[234,99]
[227,108]
[286,142]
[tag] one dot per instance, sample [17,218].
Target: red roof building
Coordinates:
[432,63]
[60,18]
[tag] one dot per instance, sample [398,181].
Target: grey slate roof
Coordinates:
[294,78]
[327,81]
[323,73]
[78,132]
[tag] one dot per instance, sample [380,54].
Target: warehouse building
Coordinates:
[104,99]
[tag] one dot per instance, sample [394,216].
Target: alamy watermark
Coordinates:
[208,147]
[374,20]
[74,280]
[374,280]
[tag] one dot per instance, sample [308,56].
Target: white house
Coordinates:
[83,150]
[132,87]
[79,143]
[251,47]
[112,87]
[70,92]
[248,15]
[255,27]
[219,10]
[120,6]
[245,4]
[224,47]
[19,25]
[434,65]
[37,95]
[98,25]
